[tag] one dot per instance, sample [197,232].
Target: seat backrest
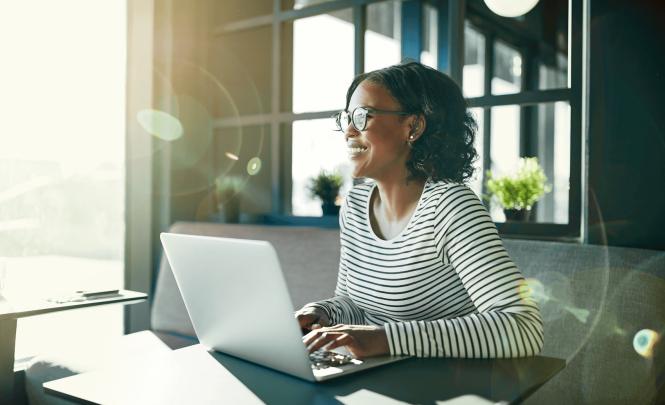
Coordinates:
[595,301]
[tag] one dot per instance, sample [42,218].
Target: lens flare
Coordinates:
[619,331]
[254,166]
[532,288]
[196,100]
[580,313]
[160,124]
[553,294]
[644,342]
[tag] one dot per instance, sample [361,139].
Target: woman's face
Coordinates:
[383,142]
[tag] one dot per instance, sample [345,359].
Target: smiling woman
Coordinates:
[422,270]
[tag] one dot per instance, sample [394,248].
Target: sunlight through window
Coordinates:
[62,162]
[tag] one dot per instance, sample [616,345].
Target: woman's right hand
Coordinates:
[311,318]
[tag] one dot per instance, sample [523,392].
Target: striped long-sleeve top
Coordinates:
[443,287]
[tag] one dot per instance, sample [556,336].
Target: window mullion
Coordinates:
[278,194]
[577,196]
[411,29]
[360,25]
[527,112]
[487,112]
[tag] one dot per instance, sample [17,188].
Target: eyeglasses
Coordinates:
[358,117]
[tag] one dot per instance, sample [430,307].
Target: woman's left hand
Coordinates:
[361,340]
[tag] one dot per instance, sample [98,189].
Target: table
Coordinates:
[14,308]
[197,375]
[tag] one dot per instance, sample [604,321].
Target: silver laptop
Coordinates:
[239,304]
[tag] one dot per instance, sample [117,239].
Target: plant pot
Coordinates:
[517,215]
[329,208]
[230,210]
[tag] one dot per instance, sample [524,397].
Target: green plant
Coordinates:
[521,190]
[226,187]
[325,186]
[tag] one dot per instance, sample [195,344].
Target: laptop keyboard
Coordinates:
[321,359]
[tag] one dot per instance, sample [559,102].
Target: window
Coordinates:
[382,37]
[517,71]
[430,53]
[553,152]
[323,54]
[322,61]
[474,62]
[520,76]
[507,75]
[62,163]
[316,147]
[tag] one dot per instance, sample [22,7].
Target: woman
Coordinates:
[422,269]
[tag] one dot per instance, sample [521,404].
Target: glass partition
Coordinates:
[430,31]
[323,52]
[507,75]
[474,62]
[316,147]
[382,38]
[62,164]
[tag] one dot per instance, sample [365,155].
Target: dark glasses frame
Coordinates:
[360,114]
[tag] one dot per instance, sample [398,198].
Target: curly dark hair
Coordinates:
[445,151]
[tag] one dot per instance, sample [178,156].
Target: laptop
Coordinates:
[239,304]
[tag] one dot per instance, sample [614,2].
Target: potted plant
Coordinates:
[326,187]
[227,197]
[516,194]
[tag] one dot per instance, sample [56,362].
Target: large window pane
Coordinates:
[241,174]
[552,42]
[62,163]
[553,145]
[474,62]
[550,142]
[429,54]
[505,145]
[553,76]
[507,75]
[323,52]
[505,138]
[544,31]
[382,38]
[316,147]
[239,81]
[529,53]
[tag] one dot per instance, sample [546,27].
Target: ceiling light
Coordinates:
[511,8]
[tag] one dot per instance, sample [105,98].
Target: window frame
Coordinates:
[450,59]
[495,30]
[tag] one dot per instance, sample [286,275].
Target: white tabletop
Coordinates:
[189,375]
[13,307]
[196,375]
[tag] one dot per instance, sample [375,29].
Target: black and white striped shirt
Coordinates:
[443,287]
